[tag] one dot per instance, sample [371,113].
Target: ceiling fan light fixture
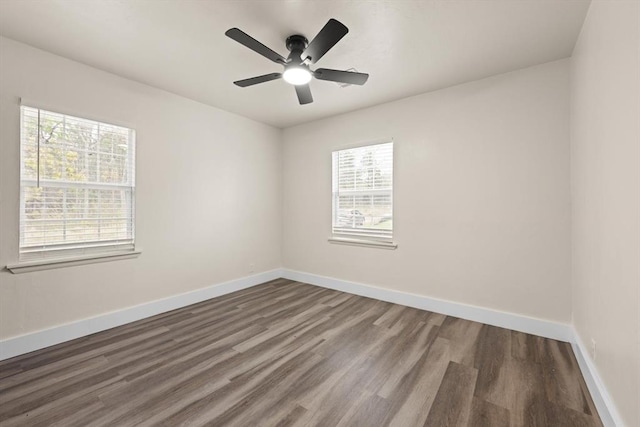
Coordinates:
[297,76]
[302,54]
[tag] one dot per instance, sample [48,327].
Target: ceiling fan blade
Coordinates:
[349,77]
[304,94]
[259,79]
[328,36]
[253,44]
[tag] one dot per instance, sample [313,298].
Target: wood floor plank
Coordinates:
[291,354]
[411,401]
[486,414]
[292,417]
[367,411]
[28,387]
[491,359]
[563,382]
[452,405]
[462,336]
[56,413]
[401,357]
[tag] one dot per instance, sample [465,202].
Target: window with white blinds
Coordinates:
[77,186]
[363,192]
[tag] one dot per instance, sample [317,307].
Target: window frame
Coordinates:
[69,253]
[362,238]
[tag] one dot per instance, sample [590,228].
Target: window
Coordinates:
[77,186]
[363,192]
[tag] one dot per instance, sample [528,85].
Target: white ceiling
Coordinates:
[407,47]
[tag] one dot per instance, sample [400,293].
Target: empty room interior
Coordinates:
[320,213]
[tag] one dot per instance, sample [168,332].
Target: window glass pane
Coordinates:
[363,191]
[77,186]
[29,144]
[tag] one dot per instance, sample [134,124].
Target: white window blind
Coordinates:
[363,192]
[77,186]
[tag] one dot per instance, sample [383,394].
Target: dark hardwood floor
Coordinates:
[286,353]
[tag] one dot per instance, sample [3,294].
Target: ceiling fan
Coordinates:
[302,53]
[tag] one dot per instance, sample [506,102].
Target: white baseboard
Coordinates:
[544,328]
[36,340]
[606,408]
[604,404]
[517,322]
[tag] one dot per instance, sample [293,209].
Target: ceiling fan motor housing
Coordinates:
[296,44]
[302,54]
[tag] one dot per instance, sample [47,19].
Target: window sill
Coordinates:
[47,264]
[362,242]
